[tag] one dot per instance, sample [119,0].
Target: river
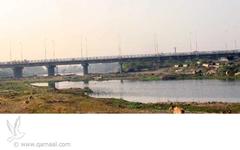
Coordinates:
[161,91]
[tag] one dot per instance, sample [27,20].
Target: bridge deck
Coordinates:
[109,59]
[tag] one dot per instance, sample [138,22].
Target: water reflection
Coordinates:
[86,84]
[52,85]
[121,89]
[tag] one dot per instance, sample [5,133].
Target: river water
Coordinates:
[161,91]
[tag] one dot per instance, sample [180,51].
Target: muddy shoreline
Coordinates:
[18,96]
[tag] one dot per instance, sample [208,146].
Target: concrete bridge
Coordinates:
[51,64]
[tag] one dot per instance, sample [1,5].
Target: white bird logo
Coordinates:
[16,134]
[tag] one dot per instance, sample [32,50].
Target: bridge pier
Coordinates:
[85,68]
[18,72]
[120,67]
[51,70]
[158,63]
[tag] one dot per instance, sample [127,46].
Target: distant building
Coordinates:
[198,71]
[211,72]
[178,66]
[179,70]
[217,65]
[206,65]
[186,65]
[98,78]
[237,74]
[198,62]
[230,73]
[223,59]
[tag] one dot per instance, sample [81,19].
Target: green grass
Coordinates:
[150,78]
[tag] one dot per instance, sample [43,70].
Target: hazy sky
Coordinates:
[215,24]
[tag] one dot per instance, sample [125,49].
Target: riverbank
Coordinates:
[221,69]
[138,76]
[21,97]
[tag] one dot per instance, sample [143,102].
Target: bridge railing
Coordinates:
[25,62]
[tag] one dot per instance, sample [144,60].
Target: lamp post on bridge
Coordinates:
[86,47]
[21,50]
[10,50]
[81,47]
[156,46]
[54,54]
[235,44]
[120,55]
[45,49]
[175,50]
[53,46]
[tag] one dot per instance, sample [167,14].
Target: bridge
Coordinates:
[51,64]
